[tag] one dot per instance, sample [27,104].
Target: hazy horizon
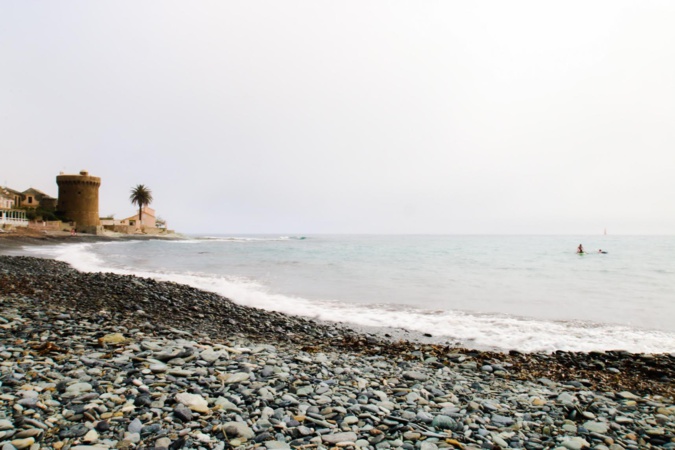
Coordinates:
[369,117]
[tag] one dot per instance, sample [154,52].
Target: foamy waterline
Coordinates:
[471,330]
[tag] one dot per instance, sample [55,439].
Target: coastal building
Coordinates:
[33,198]
[6,201]
[15,195]
[149,219]
[8,214]
[152,225]
[78,200]
[13,217]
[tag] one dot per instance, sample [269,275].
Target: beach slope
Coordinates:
[121,361]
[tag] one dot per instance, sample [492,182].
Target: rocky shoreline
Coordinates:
[94,360]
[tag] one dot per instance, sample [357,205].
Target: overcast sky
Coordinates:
[349,116]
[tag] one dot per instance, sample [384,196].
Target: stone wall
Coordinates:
[50,225]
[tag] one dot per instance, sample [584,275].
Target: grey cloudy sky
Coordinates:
[349,116]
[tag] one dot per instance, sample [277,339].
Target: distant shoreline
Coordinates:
[12,240]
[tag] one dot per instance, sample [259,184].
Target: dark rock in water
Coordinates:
[102,426]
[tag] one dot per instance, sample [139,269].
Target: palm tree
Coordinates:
[141,196]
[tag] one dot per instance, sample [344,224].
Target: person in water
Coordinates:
[580,249]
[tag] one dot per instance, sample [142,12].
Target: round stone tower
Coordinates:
[78,199]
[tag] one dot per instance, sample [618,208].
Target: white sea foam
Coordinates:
[473,330]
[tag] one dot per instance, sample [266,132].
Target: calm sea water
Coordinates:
[516,292]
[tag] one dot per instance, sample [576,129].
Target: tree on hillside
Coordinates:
[141,196]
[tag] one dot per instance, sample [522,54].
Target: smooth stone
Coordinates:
[499,441]
[33,432]
[114,339]
[29,402]
[152,346]
[350,420]
[135,426]
[305,431]
[78,389]
[412,375]
[6,424]
[469,365]
[238,429]
[274,445]
[442,422]
[158,368]
[339,437]
[132,437]
[596,427]
[227,405]
[91,437]
[90,447]
[74,431]
[102,426]
[425,417]
[237,377]
[23,443]
[628,395]
[180,372]
[502,421]
[412,397]
[304,391]
[566,399]
[201,437]
[665,411]
[163,442]
[183,412]
[210,356]
[569,427]
[193,401]
[575,443]
[412,435]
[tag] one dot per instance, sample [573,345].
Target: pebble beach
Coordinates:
[103,361]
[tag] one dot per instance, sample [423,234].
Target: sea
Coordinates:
[526,293]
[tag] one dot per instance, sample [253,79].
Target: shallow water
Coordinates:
[508,292]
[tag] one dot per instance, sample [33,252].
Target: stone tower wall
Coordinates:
[78,199]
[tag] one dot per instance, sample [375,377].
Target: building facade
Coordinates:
[33,198]
[8,214]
